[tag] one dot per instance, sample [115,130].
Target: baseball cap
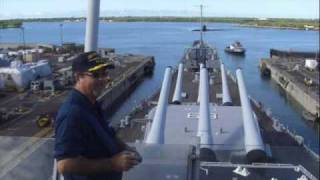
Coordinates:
[89,62]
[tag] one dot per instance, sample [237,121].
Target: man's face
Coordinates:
[94,82]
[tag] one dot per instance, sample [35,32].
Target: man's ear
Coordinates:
[77,76]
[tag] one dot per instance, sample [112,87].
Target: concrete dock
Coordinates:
[299,82]
[129,72]
[20,110]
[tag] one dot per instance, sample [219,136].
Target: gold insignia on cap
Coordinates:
[92,57]
[98,67]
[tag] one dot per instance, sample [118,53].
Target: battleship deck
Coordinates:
[292,79]
[281,143]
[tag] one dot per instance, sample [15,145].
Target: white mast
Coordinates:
[92,26]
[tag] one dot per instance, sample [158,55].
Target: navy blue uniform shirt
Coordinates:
[80,130]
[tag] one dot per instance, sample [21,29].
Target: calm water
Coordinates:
[166,41]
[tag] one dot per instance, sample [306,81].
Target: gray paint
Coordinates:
[156,133]
[252,136]
[92,26]
[226,99]
[178,89]
[199,90]
[184,117]
[204,127]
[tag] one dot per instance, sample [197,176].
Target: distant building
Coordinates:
[262,19]
[66,76]
[31,57]
[308,27]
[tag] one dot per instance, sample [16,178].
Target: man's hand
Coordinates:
[123,161]
[136,153]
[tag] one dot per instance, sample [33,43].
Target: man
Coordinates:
[86,146]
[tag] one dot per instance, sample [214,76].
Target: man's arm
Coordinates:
[83,166]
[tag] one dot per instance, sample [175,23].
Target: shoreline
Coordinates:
[274,23]
[277,27]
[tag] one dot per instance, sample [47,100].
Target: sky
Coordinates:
[308,9]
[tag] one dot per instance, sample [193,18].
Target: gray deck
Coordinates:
[226,124]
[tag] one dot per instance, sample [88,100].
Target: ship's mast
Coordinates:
[92,26]
[201,25]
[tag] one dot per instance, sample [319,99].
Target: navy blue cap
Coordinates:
[89,62]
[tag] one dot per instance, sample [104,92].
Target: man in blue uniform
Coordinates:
[86,146]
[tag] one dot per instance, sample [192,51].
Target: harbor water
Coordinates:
[167,41]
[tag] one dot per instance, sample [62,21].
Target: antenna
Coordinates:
[61,33]
[201,25]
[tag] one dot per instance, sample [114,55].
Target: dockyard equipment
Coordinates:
[308,81]
[44,120]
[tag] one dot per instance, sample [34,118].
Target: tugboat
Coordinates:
[236,48]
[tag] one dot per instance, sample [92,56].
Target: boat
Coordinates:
[236,48]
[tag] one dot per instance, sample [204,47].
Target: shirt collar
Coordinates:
[84,99]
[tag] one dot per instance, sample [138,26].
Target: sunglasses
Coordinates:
[97,75]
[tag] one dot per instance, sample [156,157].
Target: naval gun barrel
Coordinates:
[253,142]
[204,124]
[92,26]
[226,99]
[156,133]
[201,65]
[177,91]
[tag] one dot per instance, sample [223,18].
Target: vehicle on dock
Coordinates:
[236,48]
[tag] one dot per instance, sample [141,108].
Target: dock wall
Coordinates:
[124,84]
[300,94]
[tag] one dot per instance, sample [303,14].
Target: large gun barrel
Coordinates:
[156,133]
[178,89]
[204,124]
[253,142]
[226,99]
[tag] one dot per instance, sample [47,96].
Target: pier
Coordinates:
[299,81]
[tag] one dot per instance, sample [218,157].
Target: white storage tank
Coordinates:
[20,75]
[14,53]
[3,56]
[16,64]
[311,64]
[41,68]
